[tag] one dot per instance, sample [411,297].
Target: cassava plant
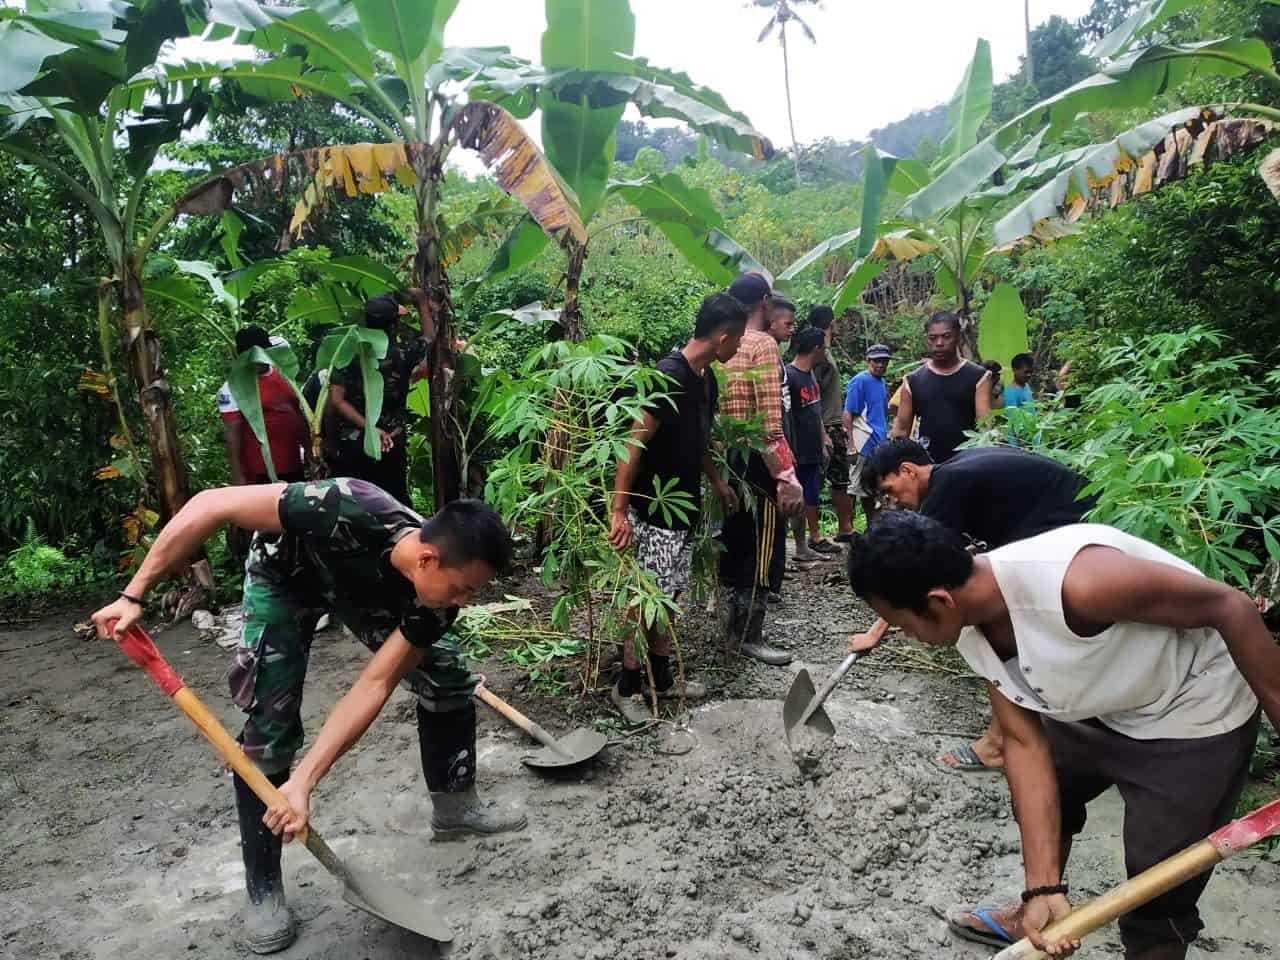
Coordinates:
[586,395]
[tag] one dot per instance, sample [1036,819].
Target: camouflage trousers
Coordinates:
[270,666]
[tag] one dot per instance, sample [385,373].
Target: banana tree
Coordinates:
[948,209]
[64,67]
[339,50]
[587,78]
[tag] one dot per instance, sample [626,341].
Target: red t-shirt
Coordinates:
[285,428]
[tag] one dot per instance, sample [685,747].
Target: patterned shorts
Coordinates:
[667,554]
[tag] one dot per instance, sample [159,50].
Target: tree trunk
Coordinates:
[786,82]
[142,348]
[1031,60]
[430,275]
[168,472]
[571,314]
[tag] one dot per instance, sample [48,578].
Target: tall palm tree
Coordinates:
[783,13]
[1030,62]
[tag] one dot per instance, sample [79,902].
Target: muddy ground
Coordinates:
[118,836]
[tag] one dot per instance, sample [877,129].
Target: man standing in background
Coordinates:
[949,393]
[836,474]
[286,426]
[866,406]
[346,395]
[808,438]
[755,539]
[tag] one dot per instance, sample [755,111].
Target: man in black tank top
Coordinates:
[948,393]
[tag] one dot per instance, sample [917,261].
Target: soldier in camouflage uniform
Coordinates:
[346,396]
[396,581]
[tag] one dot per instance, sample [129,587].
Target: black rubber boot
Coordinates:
[754,645]
[734,614]
[447,745]
[268,922]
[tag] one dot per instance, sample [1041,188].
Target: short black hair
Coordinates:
[1022,361]
[467,530]
[718,311]
[993,366]
[783,303]
[943,316]
[808,340]
[904,555]
[821,316]
[249,337]
[888,458]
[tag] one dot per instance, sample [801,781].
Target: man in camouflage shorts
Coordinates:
[670,453]
[396,581]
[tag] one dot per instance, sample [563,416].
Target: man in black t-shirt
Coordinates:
[810,443]
[992,496]
[670,453]
[948,393]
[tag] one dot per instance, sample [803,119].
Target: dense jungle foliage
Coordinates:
[1195,261]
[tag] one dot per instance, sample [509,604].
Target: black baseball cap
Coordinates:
[749,289]
[878,351]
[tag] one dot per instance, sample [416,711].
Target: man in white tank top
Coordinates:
[1109,662]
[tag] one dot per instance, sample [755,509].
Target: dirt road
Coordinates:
[119,838]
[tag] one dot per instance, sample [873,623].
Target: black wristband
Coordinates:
[131,599]
[1047,891]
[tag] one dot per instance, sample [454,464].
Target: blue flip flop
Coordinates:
[994,936]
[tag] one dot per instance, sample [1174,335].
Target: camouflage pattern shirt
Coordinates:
[396,369]
[335,554]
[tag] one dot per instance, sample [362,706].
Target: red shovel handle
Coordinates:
[141,649]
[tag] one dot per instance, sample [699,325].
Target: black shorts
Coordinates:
[837,471]
[1175,793]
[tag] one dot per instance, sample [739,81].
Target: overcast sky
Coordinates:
[873,63]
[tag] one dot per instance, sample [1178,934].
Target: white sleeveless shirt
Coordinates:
[1146,682]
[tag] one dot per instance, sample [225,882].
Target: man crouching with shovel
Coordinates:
[396,581]
[1108,662]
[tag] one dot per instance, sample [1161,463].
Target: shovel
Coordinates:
[1152,882]
[362,888]
[807,726]
[577,747]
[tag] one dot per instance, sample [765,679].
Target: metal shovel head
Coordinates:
[815,732]
[575,747]
[383,898]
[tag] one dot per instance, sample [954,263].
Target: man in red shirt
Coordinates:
[286,426]
[287,431]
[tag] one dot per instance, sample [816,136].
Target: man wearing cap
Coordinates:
[866,420]
[755,539]
[346,396]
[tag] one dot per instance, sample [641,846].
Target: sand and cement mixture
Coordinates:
[119,839]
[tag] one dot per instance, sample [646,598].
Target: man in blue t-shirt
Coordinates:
[866,420]
[1018,393]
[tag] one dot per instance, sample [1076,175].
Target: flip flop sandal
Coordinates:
[844,538]
[994,936]
[968,761]
[824,546]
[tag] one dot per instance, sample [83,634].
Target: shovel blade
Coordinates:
[814,732]
[377,895]
[577,747]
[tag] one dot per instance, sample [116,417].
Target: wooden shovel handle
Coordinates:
[533,729]
[1164,876]
[141,649]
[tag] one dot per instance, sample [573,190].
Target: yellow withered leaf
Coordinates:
[107,473]
[91,381]
[519,167]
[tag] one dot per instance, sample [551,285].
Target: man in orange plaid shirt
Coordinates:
[755,536]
